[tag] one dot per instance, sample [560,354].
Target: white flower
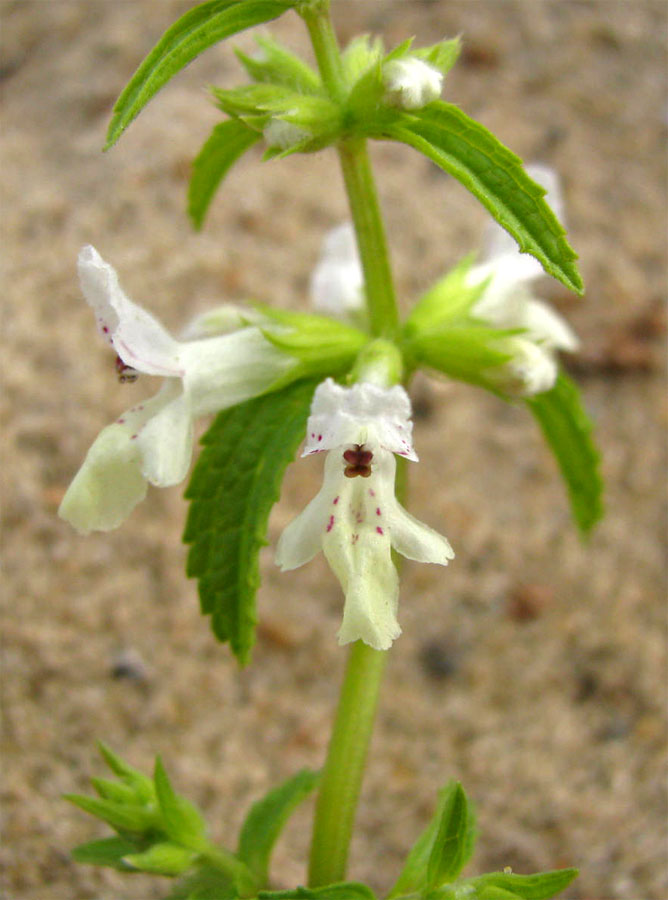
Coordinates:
[508,300]
[355,518]
[153,441]
[337,282]
[284,135]
[411,83]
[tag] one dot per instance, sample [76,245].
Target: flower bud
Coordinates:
[411,83]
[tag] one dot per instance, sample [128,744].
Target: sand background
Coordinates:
[533,669]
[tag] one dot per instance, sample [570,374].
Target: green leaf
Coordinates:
[349,890]
[106,852]
[266,818]
[162,859]
[455,839]
[225,145]
[181,820]
[236,481]
[198,29]
[541,886]
[113,790]
[471,153]
[496,893]
[414,875]
[123,817]
[568,431]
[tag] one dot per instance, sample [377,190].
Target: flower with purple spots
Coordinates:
[355,518]
[152,442]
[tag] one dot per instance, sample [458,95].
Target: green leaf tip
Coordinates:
[234,485]
[197,30]
[568,431]
[493,174]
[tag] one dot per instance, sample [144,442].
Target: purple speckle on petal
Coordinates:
[134,437]
[378,510]
[121,421]
[319,437]
[335,500]
[372,493]
[379,529]
[330,524]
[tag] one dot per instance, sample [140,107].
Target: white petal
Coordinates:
[303,537]
[138,338]
[531,370]
[371,586]
[223,319]
[166,440]
[226,370]
[337,282]
[110,482]
[359,414]
[411,83]
[547,326]
[415,540]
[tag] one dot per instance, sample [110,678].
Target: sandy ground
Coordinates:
[533,669]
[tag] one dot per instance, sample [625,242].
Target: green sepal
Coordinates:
[127,818]
[347,890]
[495,175]
[106,852]
[200,28]
[415,875]
[277,65]
[205,883]
[441,56]
[114,790]
[360,54]
[568,431]
[180,819]
[266,818]
[466,352]
[322,345]
[540,886]
[234,485]
[454,841]
[225,145]
[142,786]
[448,301]
[162,859]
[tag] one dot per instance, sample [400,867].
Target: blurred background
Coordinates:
[533,668]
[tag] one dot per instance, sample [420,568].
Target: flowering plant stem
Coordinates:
[351,734]
[344,768]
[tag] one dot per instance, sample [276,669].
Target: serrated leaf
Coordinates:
[455,839]
[414,875]
[225,145]
[181,820]
[235,483]
[123,817]
[266,818]
[568,431]
[194,32]
[495,175]
[540,886]
[348,890]
[105,852]
[162,859]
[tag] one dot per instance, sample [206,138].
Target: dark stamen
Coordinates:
[359,462]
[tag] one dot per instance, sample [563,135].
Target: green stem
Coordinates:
[344,768]
[346,757]
[371,240]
